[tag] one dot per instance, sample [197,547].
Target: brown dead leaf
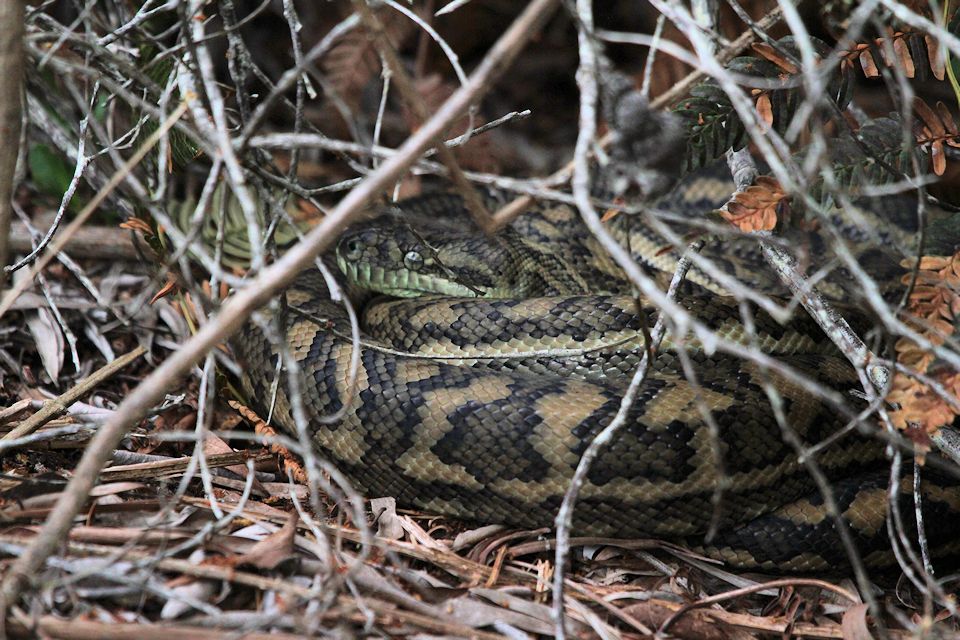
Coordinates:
[480,153]
[937,63]
[938,158]
[938,128]
[854,623]
[933,306]
[215,444]
[765,108]
[767,52]
[902,51]
[755,208]
[165,290]
[946,118]
[290,464]
[929,117]
[867,63]
[273,550]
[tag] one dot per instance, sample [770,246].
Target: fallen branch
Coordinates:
[11,61]
[271,280]
[58,406]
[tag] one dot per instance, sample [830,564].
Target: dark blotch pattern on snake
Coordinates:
[491,426]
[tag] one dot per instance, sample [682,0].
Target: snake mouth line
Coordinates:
[401,283]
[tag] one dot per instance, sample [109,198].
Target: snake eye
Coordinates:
[352,249]
[413,260]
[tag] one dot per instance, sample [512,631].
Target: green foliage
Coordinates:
[713,125]
[50,172]
[875,156]
[943,235]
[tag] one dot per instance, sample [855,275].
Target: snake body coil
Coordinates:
[481,408]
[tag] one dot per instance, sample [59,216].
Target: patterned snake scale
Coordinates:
[435,420]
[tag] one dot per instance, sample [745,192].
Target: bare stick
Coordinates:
[737,593]
[11,61]
[238,308]
[57,245]
[587,83]
[82,161]
[565,514]
[511,210]
[215,128]
[404,83]
[58,406]
[320,141]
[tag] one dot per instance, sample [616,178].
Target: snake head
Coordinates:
[395,259]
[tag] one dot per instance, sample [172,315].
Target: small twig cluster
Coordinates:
[149,102]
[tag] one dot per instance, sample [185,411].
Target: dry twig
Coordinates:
[11,92]
[273,278]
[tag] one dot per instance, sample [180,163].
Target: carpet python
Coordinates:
[495,362]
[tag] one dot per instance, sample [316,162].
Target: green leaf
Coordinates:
[50,172]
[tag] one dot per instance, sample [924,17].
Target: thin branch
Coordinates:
[320,141]
[399,76]
[55,247]
[270,280]
[58,406]
[511,210]
[79,167]
[11,94]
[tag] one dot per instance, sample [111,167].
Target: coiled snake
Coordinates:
[480,407]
